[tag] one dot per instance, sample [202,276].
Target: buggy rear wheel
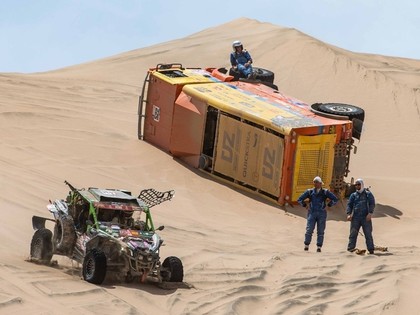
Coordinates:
[94,266]
[175,269]
[41,246]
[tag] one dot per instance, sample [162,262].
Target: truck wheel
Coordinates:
[41,246]
[94,266]
[343,110]
[259,74]
[263,75]
[235,74]
[64,234]
[176,270]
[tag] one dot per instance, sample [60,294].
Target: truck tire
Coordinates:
[41,246]
[342,110]
[64,235]
[94,266]
[259,74]
[263,75]
[235,74]
[176,270]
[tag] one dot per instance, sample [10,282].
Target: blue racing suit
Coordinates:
[360,204]
[239,60]
[317,215]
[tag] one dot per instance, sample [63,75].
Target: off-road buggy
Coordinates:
[102,229]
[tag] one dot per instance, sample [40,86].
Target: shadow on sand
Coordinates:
[336,213]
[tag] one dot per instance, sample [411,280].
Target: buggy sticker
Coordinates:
[156,113]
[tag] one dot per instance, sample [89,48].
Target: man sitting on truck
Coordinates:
[241,60]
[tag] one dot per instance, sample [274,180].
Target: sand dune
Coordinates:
[241,255]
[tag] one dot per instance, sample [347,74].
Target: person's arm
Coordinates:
[371,206]
[371,203]
[350,205]
[301,199]
[332,197]
[233,60]
[248,58]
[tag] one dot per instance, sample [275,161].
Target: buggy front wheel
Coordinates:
[174,269]
[94,266]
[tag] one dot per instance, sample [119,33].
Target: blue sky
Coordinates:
[42,35]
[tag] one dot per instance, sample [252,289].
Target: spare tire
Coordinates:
[235,74]
[64,235]
[339,109]
[263,75]
[259,74]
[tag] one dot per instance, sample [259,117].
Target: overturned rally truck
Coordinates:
[246,132]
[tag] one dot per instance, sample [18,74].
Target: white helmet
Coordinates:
[236,43]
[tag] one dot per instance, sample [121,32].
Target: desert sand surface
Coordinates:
[241,254]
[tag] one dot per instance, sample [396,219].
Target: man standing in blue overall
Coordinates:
[241,59]
[317,215]
[359,211]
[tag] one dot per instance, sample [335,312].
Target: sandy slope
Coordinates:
[240,254]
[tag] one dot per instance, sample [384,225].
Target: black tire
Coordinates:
[41,246]
[259,74]
[263,75]
[339,109]
[64,235]
[357,128]
[176,270]
[236,74]
[94,266]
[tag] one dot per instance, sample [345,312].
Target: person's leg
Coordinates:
[251,71]
[320,228]
[242,70]
[354,231]
[310,225]
[367,230]
[246,71]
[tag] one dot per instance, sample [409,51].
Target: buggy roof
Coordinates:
[110,198]
[111,195]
